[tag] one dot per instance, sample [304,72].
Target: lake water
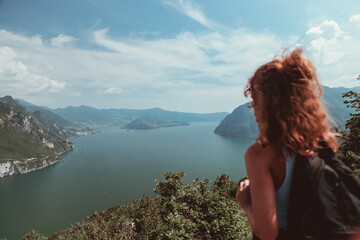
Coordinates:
[112,168]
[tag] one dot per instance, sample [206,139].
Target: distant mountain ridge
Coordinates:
[89,116]
[56,118]
[241,122]
[152,123]
[86,116]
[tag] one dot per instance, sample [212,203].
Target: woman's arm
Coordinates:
[244,199]
[259,203]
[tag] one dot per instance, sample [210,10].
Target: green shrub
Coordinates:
[200,210]
[33,235]
[145,217]
[349,151]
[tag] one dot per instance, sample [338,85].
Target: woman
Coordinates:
[292,120]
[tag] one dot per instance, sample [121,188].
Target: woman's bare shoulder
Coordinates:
[256,153]
[253,150]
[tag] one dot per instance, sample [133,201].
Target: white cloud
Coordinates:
[113,91]
[323,42]
[355,20]
[194,12]
[10,37]
[193,56]
[327,29]
[15,76]
[335,53]
[60,40]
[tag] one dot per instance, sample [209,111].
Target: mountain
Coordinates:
[171,115]
[152,123]
[50,114]
[14,104]
[334,103]
[24,146]
[241,122]
[89,116]
[51,122]
[85,116]
[49,125]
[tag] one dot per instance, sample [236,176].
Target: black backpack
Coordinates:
[324,198]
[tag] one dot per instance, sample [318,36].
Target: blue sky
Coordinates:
[192,56]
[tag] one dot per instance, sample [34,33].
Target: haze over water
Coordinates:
[112,168]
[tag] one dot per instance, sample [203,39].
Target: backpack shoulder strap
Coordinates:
[306,175]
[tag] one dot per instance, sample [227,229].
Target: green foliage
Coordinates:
[111,224]
[200,210]
[349,151]
[145,216]
[33,235]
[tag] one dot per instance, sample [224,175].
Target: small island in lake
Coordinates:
[152,123]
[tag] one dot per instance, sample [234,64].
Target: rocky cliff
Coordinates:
[24,146]
[27,165]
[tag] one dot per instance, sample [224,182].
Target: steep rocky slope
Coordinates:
[24,146]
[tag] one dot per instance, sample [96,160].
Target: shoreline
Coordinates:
[16,167]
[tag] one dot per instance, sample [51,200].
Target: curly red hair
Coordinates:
[292,114]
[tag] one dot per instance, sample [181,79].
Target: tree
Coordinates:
[200,210]
[349,151]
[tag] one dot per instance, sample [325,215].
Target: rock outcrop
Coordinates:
[25,166]
[24,146]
